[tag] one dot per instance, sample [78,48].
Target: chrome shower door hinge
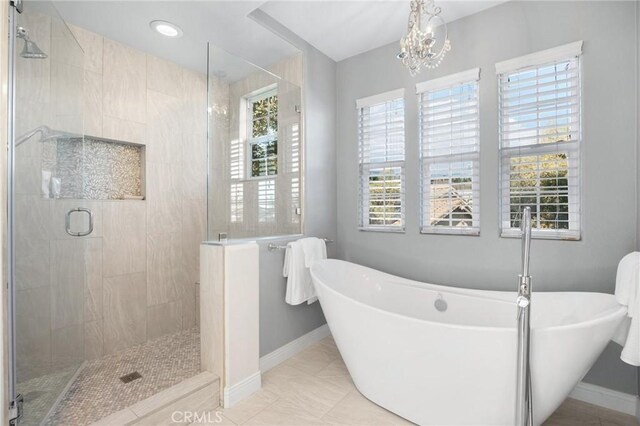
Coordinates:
[17,4]
[15,410]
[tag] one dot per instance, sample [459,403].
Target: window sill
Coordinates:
[386,230]
[253,179]
[543,235]
[473,232]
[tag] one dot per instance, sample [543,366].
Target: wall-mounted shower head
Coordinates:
[46,134]
[30,49]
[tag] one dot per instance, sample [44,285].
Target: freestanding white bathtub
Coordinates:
[457,366]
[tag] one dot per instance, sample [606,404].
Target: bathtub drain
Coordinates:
[440,304]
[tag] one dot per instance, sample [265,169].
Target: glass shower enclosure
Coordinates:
[255,147]
[50,240]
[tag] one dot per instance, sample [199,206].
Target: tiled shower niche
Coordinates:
[93,168]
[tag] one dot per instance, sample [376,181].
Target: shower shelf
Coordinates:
[98,169]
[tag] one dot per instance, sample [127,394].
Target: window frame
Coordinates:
[250,99]
[472,155]
[572,149]
[365,167]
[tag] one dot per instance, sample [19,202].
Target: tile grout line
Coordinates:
[259,411]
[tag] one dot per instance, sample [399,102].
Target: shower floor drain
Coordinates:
[131,377]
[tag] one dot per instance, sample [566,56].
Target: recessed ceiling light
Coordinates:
[166,28]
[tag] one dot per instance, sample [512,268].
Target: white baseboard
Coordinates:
[607,398]
[285,352]
[236,393]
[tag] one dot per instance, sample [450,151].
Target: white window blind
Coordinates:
[450,154]
[382,161]
[540,140]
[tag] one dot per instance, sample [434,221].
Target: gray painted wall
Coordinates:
[609,158]
[281,323]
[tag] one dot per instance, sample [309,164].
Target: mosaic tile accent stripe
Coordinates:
[97,169]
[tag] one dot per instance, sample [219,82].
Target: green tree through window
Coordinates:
[263,134]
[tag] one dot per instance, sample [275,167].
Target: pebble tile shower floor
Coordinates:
[98,390]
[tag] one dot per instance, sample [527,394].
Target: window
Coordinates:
[262,134]
[450,154]
[267,201]
[382,163]
[540,139]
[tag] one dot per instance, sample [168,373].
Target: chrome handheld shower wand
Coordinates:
[524,405]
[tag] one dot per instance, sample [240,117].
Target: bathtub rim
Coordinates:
[601,317]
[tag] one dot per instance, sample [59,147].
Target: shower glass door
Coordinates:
[53,245]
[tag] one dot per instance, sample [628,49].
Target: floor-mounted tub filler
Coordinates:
[441,355]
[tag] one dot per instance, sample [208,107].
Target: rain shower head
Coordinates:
[46,134]
[30,49]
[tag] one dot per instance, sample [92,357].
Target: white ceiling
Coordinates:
[224,23]
[341,29]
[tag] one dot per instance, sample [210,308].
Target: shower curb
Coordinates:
[155,403]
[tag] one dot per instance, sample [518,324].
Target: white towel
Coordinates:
[628,294]
[299,285]
[314,249]
[298,258]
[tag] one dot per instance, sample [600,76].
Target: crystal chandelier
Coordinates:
[426,42]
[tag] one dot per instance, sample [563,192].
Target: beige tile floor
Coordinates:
[314,388]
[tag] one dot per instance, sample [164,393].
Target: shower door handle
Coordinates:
[67,222]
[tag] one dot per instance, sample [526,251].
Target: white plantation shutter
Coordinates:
[450,154]
[540,140]
[382,162]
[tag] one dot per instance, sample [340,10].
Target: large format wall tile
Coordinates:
[93,280]
[67,282]
[189,302]
[125,82]
[123,130]
[164,120]
[67,95]
[32,234]
[125,311]
[33,330]
[65,48]
[125,243]
[92,103]
[164,76]
[32,262]
[92,44]
[195,101]
[164,319]
[93,340]
[194,170]
[163,198]
[32,217]
[28,175]
[194,230]
[164,272]
[67,346]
